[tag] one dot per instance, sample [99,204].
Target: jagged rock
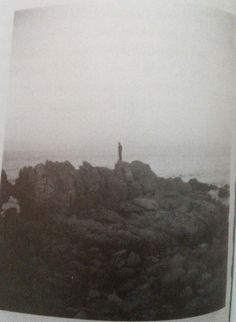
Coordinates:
[187,293]
[121,259]
[119,262]
[133,260]
[127,287]
[142,173]
[136,246]
[147,204]
[191,276]
[120,253]
[123,171]
[6,188]
[177,261]
[224,192]
[50,186]
[93,294]
[114,298]
[154,259]
[204,279]
[172,276]
[199,186]
[179,186]
[176,270]
[99,187]
[129,207]
[126,272]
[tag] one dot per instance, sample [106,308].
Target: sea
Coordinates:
[212,169]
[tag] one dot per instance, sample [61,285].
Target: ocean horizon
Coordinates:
[212,169]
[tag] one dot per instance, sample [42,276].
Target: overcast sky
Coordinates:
[156,78]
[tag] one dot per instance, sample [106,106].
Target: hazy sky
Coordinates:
[87,76]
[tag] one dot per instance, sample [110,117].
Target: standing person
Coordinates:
[120,151]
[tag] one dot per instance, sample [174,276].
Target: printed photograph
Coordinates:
[114,197]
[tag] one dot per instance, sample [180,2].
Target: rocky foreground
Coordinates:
[119,244]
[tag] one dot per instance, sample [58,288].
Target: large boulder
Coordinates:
[200,186]
[47,187]
[99,187]
[143,174]
[224,192]
[146,204]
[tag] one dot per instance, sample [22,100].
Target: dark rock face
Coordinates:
[119,244]
[98,188]
[199,186]
[5,189]
[50,187]
[224,192]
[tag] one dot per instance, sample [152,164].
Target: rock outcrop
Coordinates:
[46,187]
[5,188]
[224,192]
[115,244]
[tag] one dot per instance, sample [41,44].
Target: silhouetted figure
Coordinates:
[120,151]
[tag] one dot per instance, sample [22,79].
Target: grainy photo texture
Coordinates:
[114,188]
